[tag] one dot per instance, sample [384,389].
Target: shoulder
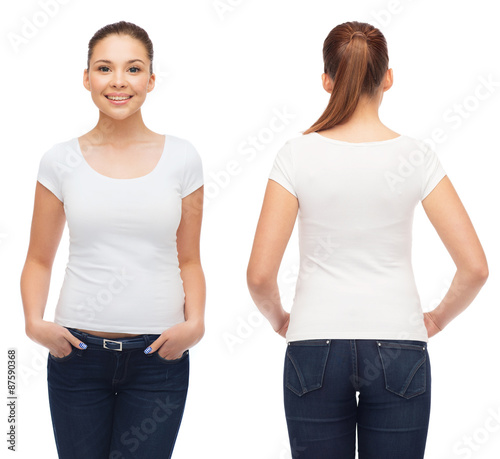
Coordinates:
[292,144]
[183,153]
[300,140]
[418,144]
[60,153]
[178,142]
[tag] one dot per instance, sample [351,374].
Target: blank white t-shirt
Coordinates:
[123,273]
[356,206]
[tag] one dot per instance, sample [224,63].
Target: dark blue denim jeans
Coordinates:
[321,379]
[108,404]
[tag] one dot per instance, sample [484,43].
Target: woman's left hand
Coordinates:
[172,343]
[430,324]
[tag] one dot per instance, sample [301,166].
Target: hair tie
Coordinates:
[358,32]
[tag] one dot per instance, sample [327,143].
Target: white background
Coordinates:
[222,75]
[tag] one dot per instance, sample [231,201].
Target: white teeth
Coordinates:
[118,98]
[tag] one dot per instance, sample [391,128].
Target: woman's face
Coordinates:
[111,72]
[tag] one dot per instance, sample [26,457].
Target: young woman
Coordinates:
[133,298]
[356,325]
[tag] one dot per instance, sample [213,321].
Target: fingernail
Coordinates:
[147,350]
[83,345]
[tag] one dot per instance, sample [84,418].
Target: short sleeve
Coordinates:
[193,171]
[282,170]
[48,174]
[433,172]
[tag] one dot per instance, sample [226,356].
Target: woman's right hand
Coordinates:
[284,327]
[56,338]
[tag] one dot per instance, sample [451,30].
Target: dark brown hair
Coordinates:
[123,28]
[356,59]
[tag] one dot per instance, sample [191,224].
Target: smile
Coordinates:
[117,98]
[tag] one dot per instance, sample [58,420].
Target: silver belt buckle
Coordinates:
[111,341]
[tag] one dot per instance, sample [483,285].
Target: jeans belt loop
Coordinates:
[84,336]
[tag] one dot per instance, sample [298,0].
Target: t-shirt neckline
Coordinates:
[76,141]
[357,144]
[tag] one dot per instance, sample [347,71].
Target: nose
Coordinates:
[118,80]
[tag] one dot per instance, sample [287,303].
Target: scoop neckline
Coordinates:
[360,144]
[77,142]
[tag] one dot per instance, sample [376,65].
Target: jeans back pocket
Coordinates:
[305,365]
[403,364]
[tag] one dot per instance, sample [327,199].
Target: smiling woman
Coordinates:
[133,297]
[110,60]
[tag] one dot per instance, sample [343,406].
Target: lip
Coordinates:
[118,94]
[119,102]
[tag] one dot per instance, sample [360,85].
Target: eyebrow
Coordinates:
[109,62]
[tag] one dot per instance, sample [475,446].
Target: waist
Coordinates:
[108,335]
[115,344]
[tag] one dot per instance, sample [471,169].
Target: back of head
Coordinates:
[356,59]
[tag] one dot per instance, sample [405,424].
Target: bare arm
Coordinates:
[275,226]
[46,230]
[452,223]
[175,340]
[188,249]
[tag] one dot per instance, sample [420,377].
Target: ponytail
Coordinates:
[356,59]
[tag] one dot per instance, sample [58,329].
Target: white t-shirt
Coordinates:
[123,273]
[356,206]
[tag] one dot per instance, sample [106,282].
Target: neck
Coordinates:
[364,119]
[120,132]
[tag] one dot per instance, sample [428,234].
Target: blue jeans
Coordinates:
[321,379]
[108,404]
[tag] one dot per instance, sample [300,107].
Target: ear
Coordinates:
[327,83]
[86,82]
[389,80]
[151,82]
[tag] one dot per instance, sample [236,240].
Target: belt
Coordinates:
[119,344]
